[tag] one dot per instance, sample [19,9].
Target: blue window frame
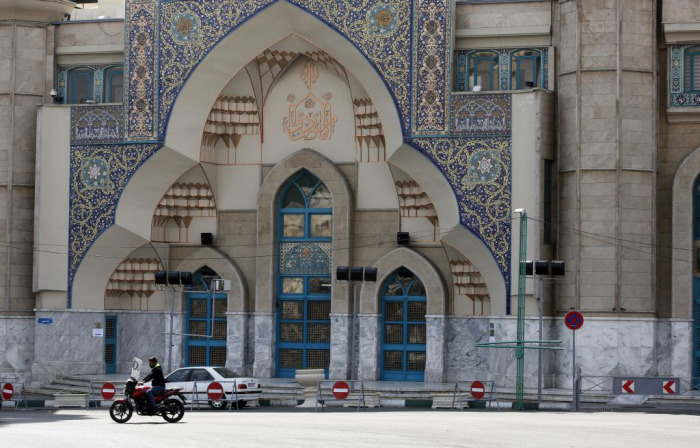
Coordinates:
[114,85]
[691,69]
[80,85]
[206,325]
[303,283]
[484,68]
[110,344]
[526,66]
[403,328]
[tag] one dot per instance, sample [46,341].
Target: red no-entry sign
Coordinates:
[215,391]
[477,390]
[341,390]
[7,391]
[108,391]
[573,320]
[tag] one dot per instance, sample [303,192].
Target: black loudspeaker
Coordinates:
[528,267]
[342,273]
[173,278]
[356,274]
[403,238]
[207,239]
[370,274]
[161,278]
[558,267]
[542,267]
[185,278]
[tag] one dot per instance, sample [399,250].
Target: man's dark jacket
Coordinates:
[155,377]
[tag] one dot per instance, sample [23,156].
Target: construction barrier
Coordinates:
[324,393]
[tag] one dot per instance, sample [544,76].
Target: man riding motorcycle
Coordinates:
[157,383]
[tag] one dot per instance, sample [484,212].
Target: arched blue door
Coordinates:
[303,281]
[206,322]
[403,330]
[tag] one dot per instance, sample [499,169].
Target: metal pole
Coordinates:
[352,332]
[539,352]
[520,351]
[573,372]
[170,344]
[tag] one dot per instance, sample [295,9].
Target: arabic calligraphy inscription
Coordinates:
[310,117]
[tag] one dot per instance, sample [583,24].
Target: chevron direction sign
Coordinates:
[645,386]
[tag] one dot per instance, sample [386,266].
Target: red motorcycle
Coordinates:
[170,406]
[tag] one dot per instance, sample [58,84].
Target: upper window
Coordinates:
[525,66]
[114,85]
[502,69]
[691,69]
[80,85]
[306,208]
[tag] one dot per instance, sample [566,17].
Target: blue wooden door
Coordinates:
[403,329]
[206,329]
[303,281]
[111,344]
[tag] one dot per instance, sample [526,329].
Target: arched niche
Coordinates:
[329,174]
[226,269]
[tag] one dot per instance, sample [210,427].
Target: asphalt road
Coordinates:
[279,427]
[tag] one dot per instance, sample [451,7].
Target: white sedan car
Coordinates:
[246,388]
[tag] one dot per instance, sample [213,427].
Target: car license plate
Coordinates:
[252,385]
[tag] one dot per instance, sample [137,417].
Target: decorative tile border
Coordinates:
[141,65]
[479,171]
[95,124]
[98,175]
[431,89]
[478,115]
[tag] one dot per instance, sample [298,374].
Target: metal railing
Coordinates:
[195,393]
[323,399]
[460,394]
[20,392]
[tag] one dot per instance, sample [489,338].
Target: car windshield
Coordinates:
[226,373]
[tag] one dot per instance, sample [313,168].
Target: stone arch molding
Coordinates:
[682,236]
[329,174]
[419,265]
[370,314]
[182,140]
[225,267]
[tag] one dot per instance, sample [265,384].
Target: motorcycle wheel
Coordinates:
[121,412]
[173,411]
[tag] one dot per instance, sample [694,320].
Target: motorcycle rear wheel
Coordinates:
[121,412]
[173,410]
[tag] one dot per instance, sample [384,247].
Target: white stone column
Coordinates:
[368,365]
[341,346]
[236,336]
[435,349]
[265,340]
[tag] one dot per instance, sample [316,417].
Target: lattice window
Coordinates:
[393,360]
[218,356]
[109,354]
[415,361]
[197,355]
[291,358]
[318,358]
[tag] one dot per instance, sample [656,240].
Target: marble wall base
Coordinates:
[236,341]
[435,349]
[265,337]
[16,354]
[341,347]
[143,335]
[368,359]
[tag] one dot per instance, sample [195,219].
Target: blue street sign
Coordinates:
[573,320]
[45,320]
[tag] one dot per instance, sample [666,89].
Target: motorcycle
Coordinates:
[170,406]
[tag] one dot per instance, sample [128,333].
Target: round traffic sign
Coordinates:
[341,390]
[107,391]
[573,320]
[215,391]
[477,389]
[7,391]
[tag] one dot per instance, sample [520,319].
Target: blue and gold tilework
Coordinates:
[98,175]
[96,124]
[431,34]
[408,42]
